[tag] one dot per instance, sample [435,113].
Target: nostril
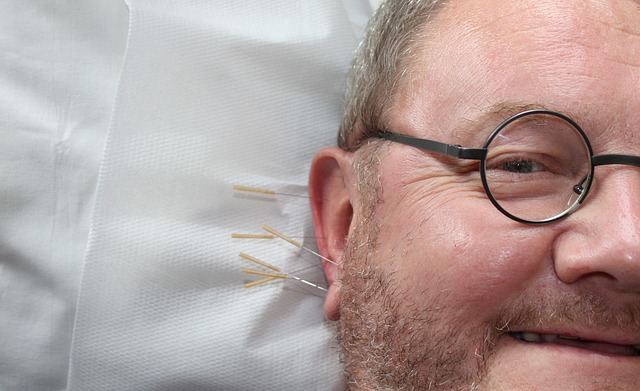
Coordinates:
[601,242]
[596,275]
[578,268]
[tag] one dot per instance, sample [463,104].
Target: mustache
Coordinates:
[573,310]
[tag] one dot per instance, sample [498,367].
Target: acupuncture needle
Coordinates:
[252,236]
[270,275]
[259,282]
[265,191]
[280,275]
[293,242]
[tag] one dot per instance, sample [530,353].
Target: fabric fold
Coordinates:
[213,94]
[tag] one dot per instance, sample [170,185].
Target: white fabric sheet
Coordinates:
[205,95]
[212,94]
[59,67]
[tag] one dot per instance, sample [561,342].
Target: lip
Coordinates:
[593,342]
[609,337]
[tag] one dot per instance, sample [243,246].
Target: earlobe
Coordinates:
[332,210]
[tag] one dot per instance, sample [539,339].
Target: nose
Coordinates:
[601,240]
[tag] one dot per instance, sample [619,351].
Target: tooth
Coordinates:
[636,347]
[531,337]
[549,337]
[567,337]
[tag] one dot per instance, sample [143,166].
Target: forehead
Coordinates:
[579,57]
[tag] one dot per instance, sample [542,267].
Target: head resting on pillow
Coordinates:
[482,202]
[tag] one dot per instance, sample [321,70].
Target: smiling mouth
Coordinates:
[600,347]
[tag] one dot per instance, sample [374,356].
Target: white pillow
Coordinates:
[212,94]
[59,67]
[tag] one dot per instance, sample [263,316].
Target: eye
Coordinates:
[508,163]
[521,166]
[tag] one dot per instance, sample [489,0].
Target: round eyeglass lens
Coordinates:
[538,166]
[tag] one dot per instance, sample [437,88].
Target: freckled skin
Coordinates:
[449,268]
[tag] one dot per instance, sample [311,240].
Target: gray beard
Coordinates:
[391,342]
[388,343]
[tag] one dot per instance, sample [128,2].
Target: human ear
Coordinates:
[332,212]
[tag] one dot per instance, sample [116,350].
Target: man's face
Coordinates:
[450,287]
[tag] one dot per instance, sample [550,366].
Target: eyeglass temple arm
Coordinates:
[627,160]
[601,160]
[435,146]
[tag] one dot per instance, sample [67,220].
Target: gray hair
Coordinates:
[379,65]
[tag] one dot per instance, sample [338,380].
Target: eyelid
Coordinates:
[544,161]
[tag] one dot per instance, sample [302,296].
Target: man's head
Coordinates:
[436,288]
[381,64]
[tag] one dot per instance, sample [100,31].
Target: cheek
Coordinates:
[463,253]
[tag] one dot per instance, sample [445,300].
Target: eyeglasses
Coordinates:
[536,167]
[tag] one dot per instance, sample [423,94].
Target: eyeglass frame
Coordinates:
[456,151]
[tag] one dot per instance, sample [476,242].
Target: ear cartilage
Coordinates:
[251,236]
[285,238]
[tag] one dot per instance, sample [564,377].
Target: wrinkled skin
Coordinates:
[433,279]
